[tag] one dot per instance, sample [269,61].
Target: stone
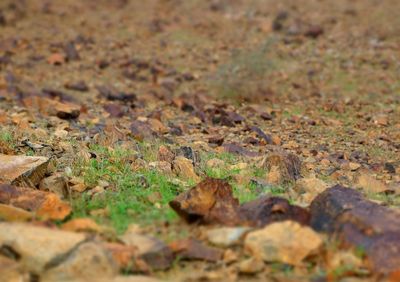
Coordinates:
[56,184]
[165,155]
[11,213]
[22,170]
[286,242]
[45,205]
[82,225]
[282,167]
[37,246]
[10,271]
[251,266]
[226,236]
[369,184]
[87,262]
[183,167]
[154,252]
[308,188]
[191,249]
[135,278]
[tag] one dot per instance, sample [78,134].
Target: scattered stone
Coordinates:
[56,184]
[183,167]
[194,250]
[44,205]
[226,236]
[22,170]
[37,246]
[235,148]
[216,140]
[345,213]
[152,251]
[286,242]
[282,167]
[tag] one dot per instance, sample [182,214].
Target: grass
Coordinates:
[7,141]
[133,197]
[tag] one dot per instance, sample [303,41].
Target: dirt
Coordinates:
[135,102]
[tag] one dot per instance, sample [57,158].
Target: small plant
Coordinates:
[132,197]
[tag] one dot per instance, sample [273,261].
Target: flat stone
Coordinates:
[22,170]
[286,242]
[37,246]
[88,262]
[226,236]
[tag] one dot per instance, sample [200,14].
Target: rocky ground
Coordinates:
[200,140]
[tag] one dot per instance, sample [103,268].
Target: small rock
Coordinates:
[56,184]
[165,155]
[354,166]
[194,250]
[215,163]
[163,167]
[226,236]
[239,166]
[369,183]
[282,167]
[183,167]
[251,266]
[22,170]
[309,188]
[286,242]
[155,253]
[82,225]
[79,187]
[56,59]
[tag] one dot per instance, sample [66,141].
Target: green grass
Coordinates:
[133,197]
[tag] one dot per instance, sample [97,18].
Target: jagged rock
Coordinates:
[56,184]
[282,167]
[183,167]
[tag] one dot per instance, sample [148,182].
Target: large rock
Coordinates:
[87,262]
[286,242]
[22,170]
[376,229]
[37,246]
[10,271]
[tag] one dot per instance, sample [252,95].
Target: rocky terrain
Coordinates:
[199,140]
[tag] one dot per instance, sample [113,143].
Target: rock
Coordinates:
[344,259]
[63,110]
[287,242]
[154,252]
[314,31]
[210,201]
[236,148]
[344,212]
[45,205]
[22,170]
[251,266]
[10,213]
[134,278]
[165,155]
[87,262]
[309,188]
[284,167]
[226,236]
[161,166]
[369,184]
[157,126]
[10,271]
[56,184]
[56,59]
[216,140]
[141,131]
[82,225]
[123,255]
[183,167]
[215,163]
[194,250]
[37,246]
[265,210]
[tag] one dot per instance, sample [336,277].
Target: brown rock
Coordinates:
[82,225]
[266,210]
[276,243]
[375,228]
[211,201]
[251,265]
[45,205]
[37,246]
[10,213]
[22,170]
[88,262]
[194,250]
[287,166]
[56,184]
[10,271]
[165,155]
[152,251]
[56,59]
[370,184]
[183,167]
